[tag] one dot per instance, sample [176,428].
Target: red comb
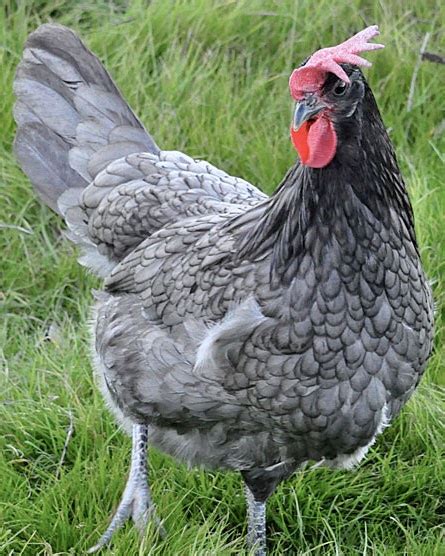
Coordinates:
[311,76]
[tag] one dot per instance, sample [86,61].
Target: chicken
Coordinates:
[235,331]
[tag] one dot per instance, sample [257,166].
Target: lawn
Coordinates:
[209,78]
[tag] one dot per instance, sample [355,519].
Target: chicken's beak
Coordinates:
[305,110]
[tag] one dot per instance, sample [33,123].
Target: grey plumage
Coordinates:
[248,333]
[72,120]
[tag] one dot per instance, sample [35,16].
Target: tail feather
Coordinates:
[71,119]
[43,157]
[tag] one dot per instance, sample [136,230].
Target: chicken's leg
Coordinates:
[136,500]
[256,529]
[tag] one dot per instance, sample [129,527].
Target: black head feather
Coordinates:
[362,186]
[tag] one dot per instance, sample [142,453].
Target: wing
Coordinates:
[138,195]
[190,269]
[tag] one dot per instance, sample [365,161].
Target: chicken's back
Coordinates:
[91,160]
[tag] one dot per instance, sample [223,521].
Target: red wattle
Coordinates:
[299,139]
[316,142]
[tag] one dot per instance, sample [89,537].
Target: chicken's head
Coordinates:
[327,88]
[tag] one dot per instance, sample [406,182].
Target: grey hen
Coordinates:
[235,331]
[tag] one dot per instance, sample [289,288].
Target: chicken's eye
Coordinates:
[340,88]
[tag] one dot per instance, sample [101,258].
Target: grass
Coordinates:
[209,78]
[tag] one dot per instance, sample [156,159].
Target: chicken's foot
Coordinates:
[256,529]
[136,500]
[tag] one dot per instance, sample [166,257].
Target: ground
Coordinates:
[209,78]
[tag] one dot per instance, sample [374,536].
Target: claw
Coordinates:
[136,500]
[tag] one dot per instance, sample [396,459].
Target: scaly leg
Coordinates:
[136,500]
[256,529]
